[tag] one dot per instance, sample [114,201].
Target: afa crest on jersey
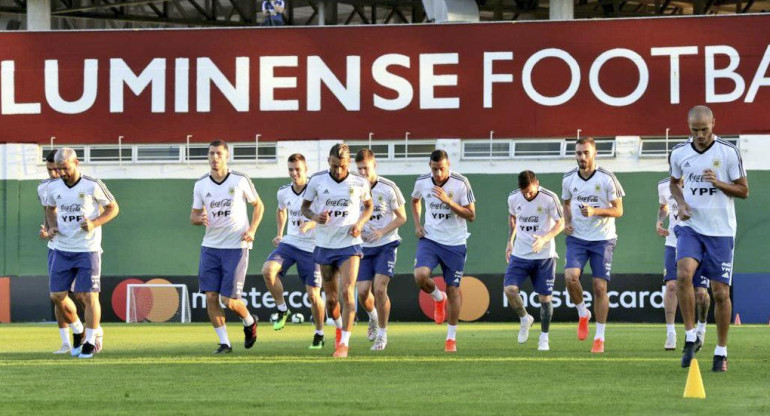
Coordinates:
[82,195]
[716,163]
[231,190]
[598,187]
[539,210]
[451,194]
[352,191]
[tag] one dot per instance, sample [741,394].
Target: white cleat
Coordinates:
[371,331]
[542,345]
[524,331]
[64,349]
[670,344]
[380,343]
[99,342]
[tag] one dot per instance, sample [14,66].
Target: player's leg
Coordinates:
[382,303]
[310,274]
[689,253]
[60,281]
[545,276]
[331,290]
[600,257]
[702,305]
[452,262]
[723,310]
[274,268]
[348,274]
[87,288]
[669,297]
[515,274]
[718,267]
[209,282]
[235,262]
[64,330]
[426,259]
[364,289]
[577,256]
[65,308]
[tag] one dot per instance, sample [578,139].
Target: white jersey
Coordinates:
[342,199]
[713,211]
[225,204]
[73,204]
[598,191]
[441,224]
[292,202]
[535,217]
[665,198]
[387,198]
[41,195]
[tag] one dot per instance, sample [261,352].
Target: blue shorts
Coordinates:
[669,273]
[287,255]
[84,269]
[541,271]
[715,254]
[451,259]
[598,253]
[378,260]
[223,270]
[336,256]
[50,260]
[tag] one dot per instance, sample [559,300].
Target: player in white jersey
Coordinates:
[219,204]
[713,175]
[344,205]
[295,247]
[381,241]
[449,204]
[668,208]
[593,198]
[74,214]
[535,218]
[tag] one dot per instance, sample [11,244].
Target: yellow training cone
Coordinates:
[694,387]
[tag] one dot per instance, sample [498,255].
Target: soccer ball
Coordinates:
[297,318]
[274,318]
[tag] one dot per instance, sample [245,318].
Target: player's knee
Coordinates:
[721,295]
[453,293]
[511,291]
[600,288]
[381,292]
[58,297]
[267,273]
[545,298]
[671,286]
[702,297]
[212,298]
[84,298]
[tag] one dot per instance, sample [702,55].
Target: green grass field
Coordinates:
[168,369]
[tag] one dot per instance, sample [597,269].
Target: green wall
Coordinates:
[153,235]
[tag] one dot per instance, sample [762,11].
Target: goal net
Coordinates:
[157,303]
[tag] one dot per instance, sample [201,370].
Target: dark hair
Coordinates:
[217,143]
[364,155]
[297,157]
[340,151]
[586,140]
[49,157]
[438,155]
[526,178]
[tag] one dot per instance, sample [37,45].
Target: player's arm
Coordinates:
[280,221]
[737,189]
[43,233]
[278,6]
[400,220]
[662,214]
[355,230]
[614,211]
[685,212]
[568,228]
[511,236]
[416,217]
[51,222]
[467,212]
[111,211]
[256,219]
[199,217]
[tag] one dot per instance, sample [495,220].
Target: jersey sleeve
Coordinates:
[565,192]
[197,198]
[311,191]
[281,204]
[673,165]
[396,199]
[249,191]
[49,201]
[735,169]
[416,194]
[614,189]
[466,198]
[512,205]
[102,195]
[366,190]
[661,195]
[41,193]
[555,209]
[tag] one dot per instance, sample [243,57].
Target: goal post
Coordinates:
[148,302]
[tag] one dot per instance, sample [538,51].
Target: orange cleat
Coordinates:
[337,338]
[439,311]
[450,346]
[598,346]
[341,351]
[583,327]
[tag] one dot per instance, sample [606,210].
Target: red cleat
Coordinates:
[439,311]
[337,338]
[450,346]
[598,346]
[341,351]
[583,327]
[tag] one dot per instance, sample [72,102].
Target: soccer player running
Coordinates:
[74,221]
[345,205]
[219,204]
[669,208]
[535,219]
[295,247]
[449,204]
[381,241]
[593,198]
[712,173]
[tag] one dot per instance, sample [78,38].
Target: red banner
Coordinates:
[523,80]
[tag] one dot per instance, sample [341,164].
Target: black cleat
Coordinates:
[318,342]
[281,321]
[698,343]
[250,333]
[87,351]
[77,339]
[223,349]
[720,364]
[688,353]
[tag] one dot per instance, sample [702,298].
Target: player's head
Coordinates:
[366,164]
[218,154]
[528,184]
[339,160]
[439,165]
[297,168]
[50,164]
[585,152]
[67,164]
[701,122]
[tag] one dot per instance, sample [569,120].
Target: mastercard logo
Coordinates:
[153,304]
[475,298]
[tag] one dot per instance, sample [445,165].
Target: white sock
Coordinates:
[671,329]
[319,332]
[700,328]
[64,333]
[599,331]
[248,321]
[382,332]
[90,336]
[338,323]
[282,307]
[345,338]
[543,336]
[437,295]
[523,319]
[720,351]
[451,332]
[372,314]
[690,336]
[222,334]
[582,310]
[77,327]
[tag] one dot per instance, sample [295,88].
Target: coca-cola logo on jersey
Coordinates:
[337,203]
[533,218]
[295,213]
[695,178]
[590,198]
[227,202]
[438,205]
[70,208]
